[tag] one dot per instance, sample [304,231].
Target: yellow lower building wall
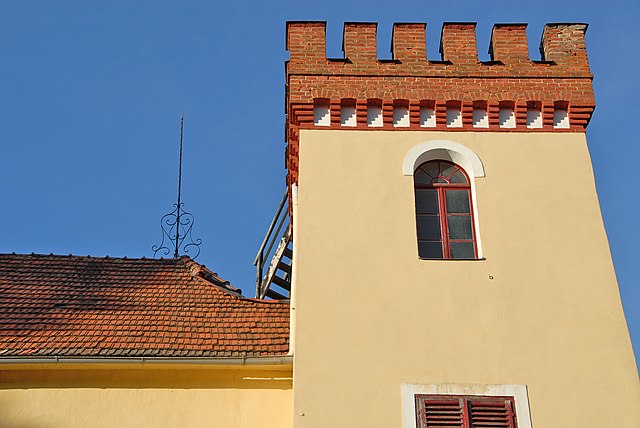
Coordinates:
[150,397]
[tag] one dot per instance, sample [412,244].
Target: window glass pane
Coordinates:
[430,250]
[458,178]
[427,201]
[462,250]
[430,168]
[421,177]
[458,201]
[459,227]
[428,227]
[447,169]
[440,180]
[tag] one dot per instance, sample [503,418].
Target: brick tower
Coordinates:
[450,264]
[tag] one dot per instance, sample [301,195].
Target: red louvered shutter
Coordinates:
[492,412]
[440,411]
[455,411]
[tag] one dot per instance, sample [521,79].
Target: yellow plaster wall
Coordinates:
[37,397]
[543,309]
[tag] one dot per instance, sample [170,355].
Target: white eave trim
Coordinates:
[203,361]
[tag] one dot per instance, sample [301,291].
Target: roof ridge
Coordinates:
[201,272]
[77,256]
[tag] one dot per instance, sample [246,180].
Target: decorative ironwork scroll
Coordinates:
[176,234]
[176,226]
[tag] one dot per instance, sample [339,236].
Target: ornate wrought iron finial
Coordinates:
[176,226]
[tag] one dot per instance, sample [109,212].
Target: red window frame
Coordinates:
[441,184]
[465,411]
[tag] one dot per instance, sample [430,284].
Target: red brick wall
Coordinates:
[561,78]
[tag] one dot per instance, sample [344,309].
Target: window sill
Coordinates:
[453,260]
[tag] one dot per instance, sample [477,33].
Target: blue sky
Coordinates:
[92,92]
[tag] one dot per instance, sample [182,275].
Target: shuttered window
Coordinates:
[455,411]
[444,214]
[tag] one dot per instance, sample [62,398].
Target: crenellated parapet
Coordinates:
[457,92]
[562,48]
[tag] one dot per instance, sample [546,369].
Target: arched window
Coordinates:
[444,212]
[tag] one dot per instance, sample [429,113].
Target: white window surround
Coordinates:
[453,152]
[444,150]
[518,392]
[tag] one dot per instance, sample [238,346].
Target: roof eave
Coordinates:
[284,360]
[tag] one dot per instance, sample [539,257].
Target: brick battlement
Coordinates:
[458,83]
[562,48]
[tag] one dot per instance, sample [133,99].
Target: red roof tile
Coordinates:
[70,306]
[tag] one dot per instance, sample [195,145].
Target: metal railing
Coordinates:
[277,229]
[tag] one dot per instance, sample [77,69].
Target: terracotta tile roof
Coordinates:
[70,306]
